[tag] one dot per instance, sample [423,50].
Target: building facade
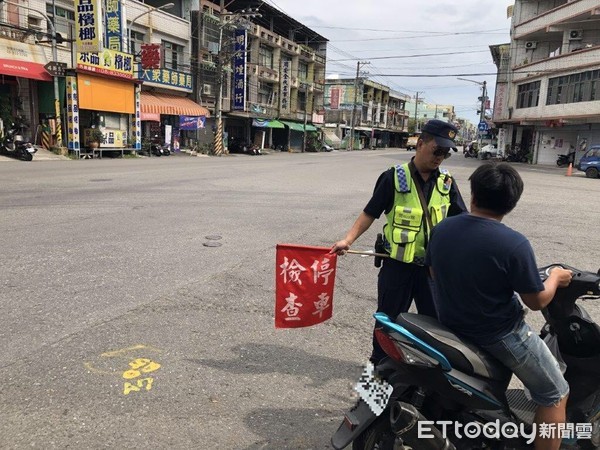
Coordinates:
[379,113]
[104,84]
[267,69]
[547,103]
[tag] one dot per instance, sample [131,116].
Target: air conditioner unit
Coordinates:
[34,23]
[575,35]
[530,45]
[206,89]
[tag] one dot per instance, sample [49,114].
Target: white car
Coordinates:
[488,151]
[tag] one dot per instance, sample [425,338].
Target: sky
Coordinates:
[454,34]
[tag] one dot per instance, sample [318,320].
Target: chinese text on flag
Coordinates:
[304,279]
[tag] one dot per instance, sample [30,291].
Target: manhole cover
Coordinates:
[213,237]
[212,244]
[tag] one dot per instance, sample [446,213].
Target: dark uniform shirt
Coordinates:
[382,200]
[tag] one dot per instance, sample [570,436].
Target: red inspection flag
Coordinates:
[304,279]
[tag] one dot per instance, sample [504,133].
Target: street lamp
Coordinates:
[162,7]
[482,108]
[59,140]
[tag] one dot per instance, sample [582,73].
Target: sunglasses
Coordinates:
[442,151]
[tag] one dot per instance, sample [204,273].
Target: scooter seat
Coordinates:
[462,355]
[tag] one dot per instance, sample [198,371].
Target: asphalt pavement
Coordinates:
[124,323]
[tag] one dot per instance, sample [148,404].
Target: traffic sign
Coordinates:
[483,126]
[56,69]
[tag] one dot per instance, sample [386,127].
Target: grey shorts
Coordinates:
[530,359]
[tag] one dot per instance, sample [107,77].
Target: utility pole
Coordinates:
[416,108]
[305,116]
[219,133]
[243,14]
[352,117]
[481,108]
[482,113]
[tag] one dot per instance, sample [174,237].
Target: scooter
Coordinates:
[470,152]
[14,144]
[437,391]
[565,160]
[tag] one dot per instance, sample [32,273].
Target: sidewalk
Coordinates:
[41,155]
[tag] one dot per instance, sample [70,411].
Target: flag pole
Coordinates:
[368,253]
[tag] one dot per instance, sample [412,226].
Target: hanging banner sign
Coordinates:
[88,25]
[303,285]
[72,114]
[191,122]
[239,70]
[108,62]
[286,71]
[113,13]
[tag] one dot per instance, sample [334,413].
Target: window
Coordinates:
[173,55]
[301,101]
[137,39]
[574,88]
[265,93]
[302,71]
[528,95]
[265,57]
[64,21]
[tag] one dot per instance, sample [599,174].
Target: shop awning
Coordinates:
[310,127]
[294,125]
[23,60]
[267,123]
[171,105]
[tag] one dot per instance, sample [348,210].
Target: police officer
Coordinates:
[414,197]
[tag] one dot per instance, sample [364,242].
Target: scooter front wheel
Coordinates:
[26,156]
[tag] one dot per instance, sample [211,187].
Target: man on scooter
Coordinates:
[478,264]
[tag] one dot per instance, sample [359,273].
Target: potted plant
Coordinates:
[95,137]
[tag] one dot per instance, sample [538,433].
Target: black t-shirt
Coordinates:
[478,265]
[382,200]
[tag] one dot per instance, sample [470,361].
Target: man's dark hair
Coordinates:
[496,187]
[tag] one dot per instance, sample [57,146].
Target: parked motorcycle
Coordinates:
[565,160]
[470,152]
[14,144]
[431,375]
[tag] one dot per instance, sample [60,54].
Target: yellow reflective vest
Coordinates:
[406,225]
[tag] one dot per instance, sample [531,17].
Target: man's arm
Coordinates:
[457,204]
[362,224]
[538,300]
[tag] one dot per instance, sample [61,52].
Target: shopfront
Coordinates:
[103,94]
[167,114]
[24,84]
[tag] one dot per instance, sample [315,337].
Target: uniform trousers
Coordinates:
[397,286]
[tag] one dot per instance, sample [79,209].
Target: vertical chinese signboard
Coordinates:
[136,119]
[72,114]
[88,25]
[304,285]
[239,71]
[114,25]
[334,102]
[286,68]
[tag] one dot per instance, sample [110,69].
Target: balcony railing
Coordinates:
[567,62]
[564,13]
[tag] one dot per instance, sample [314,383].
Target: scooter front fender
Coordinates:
[355,422]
